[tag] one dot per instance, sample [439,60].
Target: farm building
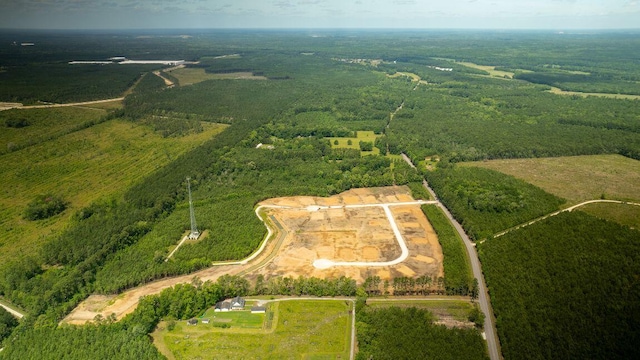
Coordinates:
[258,310]
[237,303]
[205,321]
[192,322]
[222,306]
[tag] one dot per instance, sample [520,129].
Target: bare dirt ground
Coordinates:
[9,105]
[339,234]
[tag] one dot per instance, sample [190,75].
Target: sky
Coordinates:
[408,14]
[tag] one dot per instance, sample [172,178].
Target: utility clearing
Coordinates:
[352,230]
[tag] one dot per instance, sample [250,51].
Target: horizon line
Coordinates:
[323,29]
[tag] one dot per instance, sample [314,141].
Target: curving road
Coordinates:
[326,263]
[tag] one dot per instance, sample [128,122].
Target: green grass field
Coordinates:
[343,142]
[304,329]
[235,319]
[622,214]
[98,162]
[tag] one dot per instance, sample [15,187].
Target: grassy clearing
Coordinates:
[620,213]
[456,309]
[188,76]
[490,69]
[99,162]
[557,91]
[576,178]
[306,329]
[354,143]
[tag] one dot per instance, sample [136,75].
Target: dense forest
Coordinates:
[397,333]
[458,279]
[562,283]
[7,323]
[317,89]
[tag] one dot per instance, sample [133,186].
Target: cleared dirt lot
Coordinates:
[309,233]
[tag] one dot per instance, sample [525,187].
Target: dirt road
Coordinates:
[561,211]
[20,106]
[12,311]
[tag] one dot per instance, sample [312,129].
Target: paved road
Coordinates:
[493,343]
[490,332]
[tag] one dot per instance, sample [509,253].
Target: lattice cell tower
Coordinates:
[195,234]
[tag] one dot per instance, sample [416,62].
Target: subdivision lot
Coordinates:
[295,330]
[300,241]
[353,234]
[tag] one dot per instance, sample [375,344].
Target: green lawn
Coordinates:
[305,329]
[235,319]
